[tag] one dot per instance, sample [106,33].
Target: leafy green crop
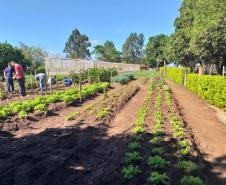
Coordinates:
[157,162]
[158,150]
[133,157]
[158,179]
[191,180]
[130,172]
[188,166]
[22,114]
[134,146]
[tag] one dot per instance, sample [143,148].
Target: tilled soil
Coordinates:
[82,153]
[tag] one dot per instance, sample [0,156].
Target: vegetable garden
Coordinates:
[123,130]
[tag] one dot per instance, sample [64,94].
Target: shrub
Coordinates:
[175,74]
[130,172]
[191,180]
[210,88]
[158,179]
[123,78]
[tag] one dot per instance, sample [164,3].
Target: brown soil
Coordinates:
[54,151]
[209,132]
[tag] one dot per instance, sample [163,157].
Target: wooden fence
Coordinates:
[63,66]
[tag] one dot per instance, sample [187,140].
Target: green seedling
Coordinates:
[22,114]
[133,157]
[188,166]
[130,172]
[134,146]
[158,150]
[158,179]
[191,180]
[156,140]
[157,162]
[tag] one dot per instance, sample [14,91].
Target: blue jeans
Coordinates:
[10,85]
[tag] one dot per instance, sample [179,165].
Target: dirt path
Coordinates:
[209,131]
[78,154]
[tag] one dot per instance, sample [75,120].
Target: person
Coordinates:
[67,81]
[8,74]
[41,77]
[52,80]
[19,75]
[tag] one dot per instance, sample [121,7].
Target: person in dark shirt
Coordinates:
[8,74]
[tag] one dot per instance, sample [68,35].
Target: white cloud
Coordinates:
[94,42]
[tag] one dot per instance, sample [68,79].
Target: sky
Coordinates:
[48,23]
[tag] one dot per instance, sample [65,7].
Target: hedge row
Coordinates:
[210,88]
[174,74]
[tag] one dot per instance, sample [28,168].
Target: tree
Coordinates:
[156,50]
[200,32]
[107,52]
[77,45]
[34,55]
[9,53]
[132,49]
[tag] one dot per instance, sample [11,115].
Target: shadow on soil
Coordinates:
[77,156]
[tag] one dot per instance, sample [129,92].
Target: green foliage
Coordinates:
[140,119]
[77,45]
[130,172]
[210,88]
[22,114]
[174,74]
[131,157]
[35,56]
[200,32]
[132,49]
[158,179]
[123,78]
[107,52]
[9,53]
[138,137]
[40,103]
[158,150]
[71,116]
[94,75]
[191,180]
[134,146]
[156,140]
[188,166]
[157,162]
[41,107]
[155,50]
[102,113]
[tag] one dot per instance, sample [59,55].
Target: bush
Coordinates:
[210,88]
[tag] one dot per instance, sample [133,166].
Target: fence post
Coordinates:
[223,72]
[185,77]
